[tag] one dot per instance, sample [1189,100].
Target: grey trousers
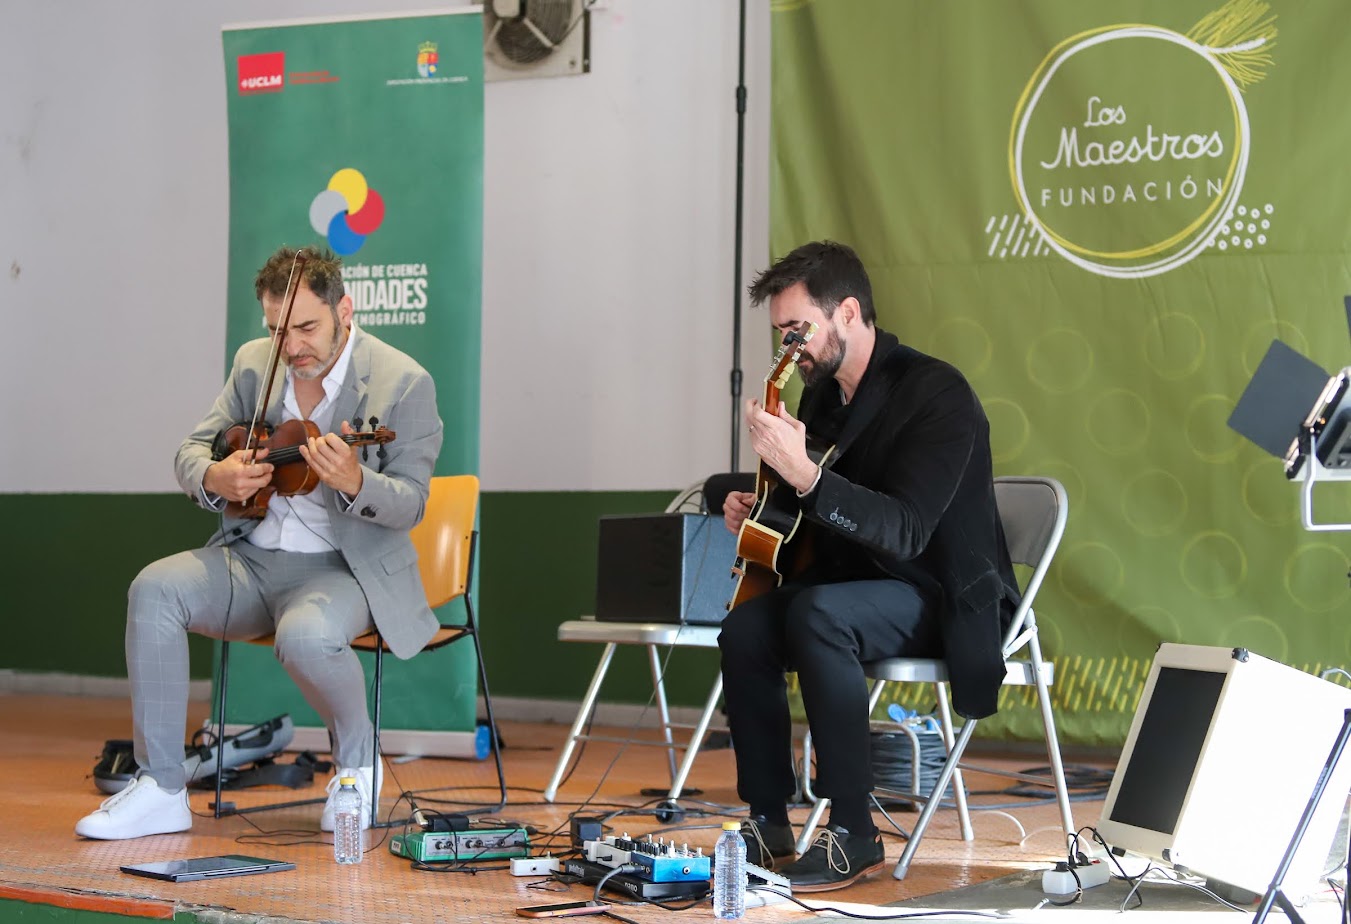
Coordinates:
[310,601]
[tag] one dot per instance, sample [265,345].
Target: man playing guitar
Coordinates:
[908,559]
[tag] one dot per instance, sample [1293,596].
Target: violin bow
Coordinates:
[278,337]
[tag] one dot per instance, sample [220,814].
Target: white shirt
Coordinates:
[300,523]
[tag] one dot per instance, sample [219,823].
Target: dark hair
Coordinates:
[832,273]
[322,275]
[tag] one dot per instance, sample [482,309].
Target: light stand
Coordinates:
[1274,892]
[1321,451]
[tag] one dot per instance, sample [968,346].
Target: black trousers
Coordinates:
[824,632]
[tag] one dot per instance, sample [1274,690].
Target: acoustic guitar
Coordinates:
[773,542]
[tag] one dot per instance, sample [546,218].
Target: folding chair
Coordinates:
[652,636]
[446,542]
[1033,511]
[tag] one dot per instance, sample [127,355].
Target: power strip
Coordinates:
[535,866]
[1060,881]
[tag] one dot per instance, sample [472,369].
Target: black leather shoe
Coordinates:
[767,844]
[835,859]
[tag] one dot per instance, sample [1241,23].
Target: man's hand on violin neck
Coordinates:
[238,476]
[334,461]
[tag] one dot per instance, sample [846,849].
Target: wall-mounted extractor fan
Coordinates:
[536,38]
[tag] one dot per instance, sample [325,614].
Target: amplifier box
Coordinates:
[665,567]
[473,844]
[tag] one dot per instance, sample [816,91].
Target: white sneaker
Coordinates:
[369,780]
[141,809]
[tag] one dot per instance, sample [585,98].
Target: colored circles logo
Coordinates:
[347,211]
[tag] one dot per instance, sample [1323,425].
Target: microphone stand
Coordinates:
[736,245]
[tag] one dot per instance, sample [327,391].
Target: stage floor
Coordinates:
[52,744]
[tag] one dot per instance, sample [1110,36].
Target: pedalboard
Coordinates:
[634,884]
[661,860]
[473,844]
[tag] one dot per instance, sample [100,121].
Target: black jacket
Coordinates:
[917,446]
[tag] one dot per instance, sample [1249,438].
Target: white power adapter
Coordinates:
[1060,881]
[535,866]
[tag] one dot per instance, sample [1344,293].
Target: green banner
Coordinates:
[1102,214]
[366,136]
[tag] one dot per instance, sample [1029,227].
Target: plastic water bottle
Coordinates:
[729,873]
[348,842]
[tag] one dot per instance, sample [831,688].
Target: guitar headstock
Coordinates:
[790,351]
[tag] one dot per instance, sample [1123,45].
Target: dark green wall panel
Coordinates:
[69,577]
[69,574]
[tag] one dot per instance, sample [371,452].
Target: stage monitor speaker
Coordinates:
[1220,762]
[667,567]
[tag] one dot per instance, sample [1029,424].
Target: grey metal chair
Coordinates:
[1033,511]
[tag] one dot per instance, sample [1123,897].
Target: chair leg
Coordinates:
[492,724]
[804,839]
[583,713]
[1062,794]
[375,729]
[471,623]
[696,740]
[936,797]
[958,784]
[663,711]
[224,670]
[217,810]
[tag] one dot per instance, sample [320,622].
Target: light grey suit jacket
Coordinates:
[372,534]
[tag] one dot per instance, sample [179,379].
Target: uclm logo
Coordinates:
[262,73]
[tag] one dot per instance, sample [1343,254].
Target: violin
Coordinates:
[291,474]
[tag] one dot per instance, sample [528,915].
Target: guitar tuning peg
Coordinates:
[366,453]
[380,452]
[357,424]
[374,422]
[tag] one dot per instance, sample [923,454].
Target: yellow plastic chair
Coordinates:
[446,542]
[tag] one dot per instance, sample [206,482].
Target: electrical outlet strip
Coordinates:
[1060,881]
[535,866]
[1092,849]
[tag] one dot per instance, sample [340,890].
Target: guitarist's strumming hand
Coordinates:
[781,441]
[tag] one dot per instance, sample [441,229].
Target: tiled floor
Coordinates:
[52,743]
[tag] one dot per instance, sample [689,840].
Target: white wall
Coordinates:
[607,251]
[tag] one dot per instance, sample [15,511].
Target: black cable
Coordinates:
[618,917]
[873,917]
[621,868]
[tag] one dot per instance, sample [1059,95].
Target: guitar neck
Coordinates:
[771,400]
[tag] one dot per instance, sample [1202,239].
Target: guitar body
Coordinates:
[773,543]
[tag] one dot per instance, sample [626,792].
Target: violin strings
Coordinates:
[284,454]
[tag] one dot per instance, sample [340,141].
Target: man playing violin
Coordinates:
[909,560]
[317,569]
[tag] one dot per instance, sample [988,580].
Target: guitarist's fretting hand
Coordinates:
[781,441]
[736,508]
